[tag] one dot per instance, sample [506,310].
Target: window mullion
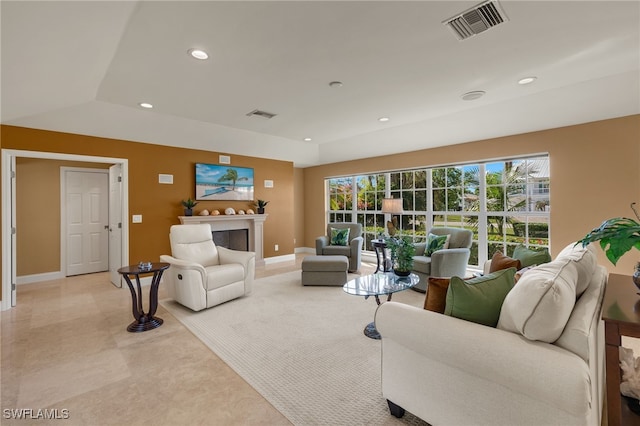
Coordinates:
[483,239]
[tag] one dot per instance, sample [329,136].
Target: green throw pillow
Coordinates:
[530,257]
[339,237]
[435,243]
[479,299]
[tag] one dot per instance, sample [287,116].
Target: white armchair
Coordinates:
[202,275]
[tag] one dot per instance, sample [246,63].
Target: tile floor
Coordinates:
[65,347]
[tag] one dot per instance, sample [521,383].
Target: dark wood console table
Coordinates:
[383,263]
[621,315]
[144,322]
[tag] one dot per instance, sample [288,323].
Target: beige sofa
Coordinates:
[535,368]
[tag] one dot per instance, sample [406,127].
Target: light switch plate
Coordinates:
[136,218]
[268,184]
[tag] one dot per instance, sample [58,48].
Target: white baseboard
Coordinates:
[36,278]
[278,259]
[305,250]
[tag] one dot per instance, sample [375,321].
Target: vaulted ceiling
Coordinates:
[84,67]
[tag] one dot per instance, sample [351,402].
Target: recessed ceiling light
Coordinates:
[383,119]
[198,54]
[145,105]
[335,84]
[307,139]
[527,80]
[471,96]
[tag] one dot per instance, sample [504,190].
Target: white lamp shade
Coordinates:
[392,205]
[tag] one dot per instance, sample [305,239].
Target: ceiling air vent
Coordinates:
[477,19]
[259,113]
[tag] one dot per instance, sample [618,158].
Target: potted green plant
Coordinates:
[188,205]
[260,205]
[402,251]
[617,236]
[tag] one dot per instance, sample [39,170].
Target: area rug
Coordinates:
[302,348]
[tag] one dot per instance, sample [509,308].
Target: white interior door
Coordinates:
[87,221]
[115,223]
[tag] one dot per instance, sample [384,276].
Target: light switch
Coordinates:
[137,218]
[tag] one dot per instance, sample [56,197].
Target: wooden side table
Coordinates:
[621,315]
[383,263]
[144,322]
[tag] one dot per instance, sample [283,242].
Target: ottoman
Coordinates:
[324,270]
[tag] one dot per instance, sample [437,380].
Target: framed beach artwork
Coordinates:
[223,182]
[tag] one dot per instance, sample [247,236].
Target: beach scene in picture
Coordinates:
[220,182]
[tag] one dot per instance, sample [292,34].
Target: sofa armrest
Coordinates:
[450,262]
[321,242]
[487,267]
[356,244]
[507,359]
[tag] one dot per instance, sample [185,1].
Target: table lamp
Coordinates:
[392,206]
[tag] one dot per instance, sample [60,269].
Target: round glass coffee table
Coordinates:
[378,285]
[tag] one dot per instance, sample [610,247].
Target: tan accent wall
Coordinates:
[594,167]
[158,203]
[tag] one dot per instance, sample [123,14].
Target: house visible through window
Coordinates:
[504,203]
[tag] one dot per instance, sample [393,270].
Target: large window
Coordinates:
[504,203]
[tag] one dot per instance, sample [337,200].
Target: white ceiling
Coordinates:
[83,67]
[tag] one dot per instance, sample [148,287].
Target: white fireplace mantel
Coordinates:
[253,222]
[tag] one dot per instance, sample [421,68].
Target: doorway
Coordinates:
[9,212]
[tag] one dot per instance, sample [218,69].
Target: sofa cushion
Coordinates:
[529,257]
[436,242]
[422,264]
[540,304]
[499,262]
[586,261]
[436,297]
[339,237]
[479,299]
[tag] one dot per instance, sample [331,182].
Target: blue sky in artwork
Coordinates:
[210,173]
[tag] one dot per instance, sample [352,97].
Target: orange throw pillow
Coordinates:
[499,262]
[436,297]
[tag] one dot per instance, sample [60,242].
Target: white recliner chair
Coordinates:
[202,275]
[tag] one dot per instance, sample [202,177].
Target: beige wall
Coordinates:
[594,168]
[594,176]
[159,204]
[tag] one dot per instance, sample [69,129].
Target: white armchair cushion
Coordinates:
[222,275]
[539,305]
[194,243]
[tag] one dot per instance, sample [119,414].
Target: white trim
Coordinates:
[37,278]
[309,250]
[7,253]
[278,259]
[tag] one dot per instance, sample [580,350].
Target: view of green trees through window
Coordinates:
[504,203]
